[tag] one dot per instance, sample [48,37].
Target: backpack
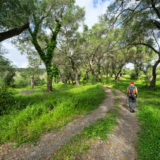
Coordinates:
[132,91]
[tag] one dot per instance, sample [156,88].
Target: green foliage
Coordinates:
[23,78]
[55,72]
[31,117]
[21,82]
[38,81]
[6,101]
[7,72]
[133,76]
[69,53]
[15,13]
[80,144]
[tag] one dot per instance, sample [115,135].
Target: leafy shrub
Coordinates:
[21,82]
[133,76]
[7,72]
[38,81]
[6,100]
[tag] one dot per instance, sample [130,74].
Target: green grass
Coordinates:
[79,145]
[40,112]
[148,146]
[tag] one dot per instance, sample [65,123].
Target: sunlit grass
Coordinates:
[40,111]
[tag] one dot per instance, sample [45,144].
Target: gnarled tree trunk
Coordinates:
[87,75]
[76,76]
[32,81]
[154,74]
[92,68]
[99,73]
[74,71]
[49,84]
[119,72]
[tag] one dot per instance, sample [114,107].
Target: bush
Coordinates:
[133,76]
[39,82]
[21,82]
[6,100]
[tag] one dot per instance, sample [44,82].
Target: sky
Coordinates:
[93,9]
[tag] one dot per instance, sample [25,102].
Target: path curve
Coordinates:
[52,141]
[120,145]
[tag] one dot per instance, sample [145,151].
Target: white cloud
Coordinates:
[14,55]
[93,13]
[129,65]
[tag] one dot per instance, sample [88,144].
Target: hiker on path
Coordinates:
[132,93]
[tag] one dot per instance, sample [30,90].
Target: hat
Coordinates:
[132,83]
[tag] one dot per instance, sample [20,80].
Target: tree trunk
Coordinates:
[136,71]
[87,76]
[121,74]
[32,81]
[76,76]
[49,84]
[117,75]
[99,77]
[74,71]
[107,72]
[92,71]
[72,82]
[72,79]
[154,74]
[91,68]
[99,73]
[107,75]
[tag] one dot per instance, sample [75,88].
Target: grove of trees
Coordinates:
[48,32]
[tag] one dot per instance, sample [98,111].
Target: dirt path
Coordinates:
[52,141]
[27,92]
[121,144]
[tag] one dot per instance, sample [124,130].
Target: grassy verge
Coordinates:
[79,145]
[148,114]
[40,112]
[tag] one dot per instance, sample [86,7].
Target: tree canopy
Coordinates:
[128,32]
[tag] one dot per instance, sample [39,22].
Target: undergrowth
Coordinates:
[41,111]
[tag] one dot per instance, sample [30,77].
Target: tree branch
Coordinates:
[156,40]
[148,45]
[13,32]
[37,46]
[156,23]
[155,9]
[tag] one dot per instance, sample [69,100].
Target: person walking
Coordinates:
[132,93]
